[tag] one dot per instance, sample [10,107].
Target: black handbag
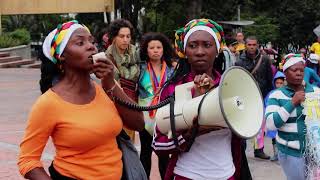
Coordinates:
[132,167]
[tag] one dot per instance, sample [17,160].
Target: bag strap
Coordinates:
[173,125]
[257,65]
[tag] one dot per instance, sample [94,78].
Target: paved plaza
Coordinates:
[19,88]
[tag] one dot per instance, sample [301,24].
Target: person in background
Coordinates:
[102,39]
[75,112]
[156,51]
[126,59]
[315,47]
[278,82]
[310,71]
[311,76]
[259,66]
[284,113]
[229,52]
[240,47]
[303,52]
[232,46]
[198,43]
[313,62]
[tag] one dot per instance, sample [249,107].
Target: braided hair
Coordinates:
[49,71]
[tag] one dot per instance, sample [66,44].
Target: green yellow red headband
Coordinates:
[56,41]
[182,34]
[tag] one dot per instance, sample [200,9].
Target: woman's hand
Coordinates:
[298,98]
[104,70]
[202,84]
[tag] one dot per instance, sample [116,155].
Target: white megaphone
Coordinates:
[237,104]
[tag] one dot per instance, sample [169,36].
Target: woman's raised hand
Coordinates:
[103,69]
[202,84]
[298,98]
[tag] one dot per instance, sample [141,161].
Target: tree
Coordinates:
[297,19]
[265,29]
[294,19]
[38,25]
[167,16]
[194,8]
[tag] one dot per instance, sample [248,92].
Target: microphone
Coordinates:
[303,85]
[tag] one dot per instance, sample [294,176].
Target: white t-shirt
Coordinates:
[209,158]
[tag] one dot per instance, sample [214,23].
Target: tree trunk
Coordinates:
[116,8]
[194,8]
[135,14]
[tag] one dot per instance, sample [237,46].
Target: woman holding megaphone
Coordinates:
[75,112]
[216,153]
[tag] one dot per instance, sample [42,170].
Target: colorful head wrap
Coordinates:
[56,41]
[292,59]
[182,35]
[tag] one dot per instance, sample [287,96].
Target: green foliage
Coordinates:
[15,38]
[91,20]
[282,22]
[38,25]
[167,16]
[292,23]
[164,16]
[265,29]
[297,19]
[21,35]
[7,41]
[220,10]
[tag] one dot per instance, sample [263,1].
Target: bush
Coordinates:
[7,41]
[15,38]
[22,35]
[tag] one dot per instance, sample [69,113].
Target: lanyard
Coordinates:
[156,85]
[154,79]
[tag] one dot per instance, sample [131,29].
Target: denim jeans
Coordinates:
[293,167]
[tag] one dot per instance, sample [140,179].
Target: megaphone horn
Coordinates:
[236,104]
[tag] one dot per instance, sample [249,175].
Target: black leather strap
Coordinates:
[195,128]
[55,175]
[173,125]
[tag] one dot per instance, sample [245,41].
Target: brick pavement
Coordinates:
[19,89]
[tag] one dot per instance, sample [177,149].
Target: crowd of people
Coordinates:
[83,120]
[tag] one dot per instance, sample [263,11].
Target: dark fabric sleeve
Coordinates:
[238,63]
[269,77]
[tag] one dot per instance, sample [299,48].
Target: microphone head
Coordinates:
[304,84]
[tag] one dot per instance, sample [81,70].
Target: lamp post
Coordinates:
[239,12]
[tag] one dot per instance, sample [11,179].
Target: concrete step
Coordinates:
[16,64]
[36,64]
[10,59]
[4,54]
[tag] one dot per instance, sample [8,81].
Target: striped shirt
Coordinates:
[288,119]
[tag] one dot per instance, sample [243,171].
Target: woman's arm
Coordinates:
[37,174]
[162,144]
[132,119]
[104,70]
[39,128]
[276,115]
